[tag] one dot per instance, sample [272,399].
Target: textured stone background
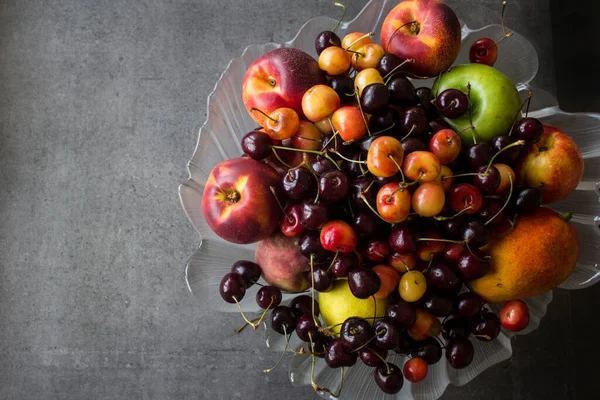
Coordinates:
[100,105]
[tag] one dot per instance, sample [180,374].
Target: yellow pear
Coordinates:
[339,304]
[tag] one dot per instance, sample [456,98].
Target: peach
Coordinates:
[279,79]
[237,202]
[427,31]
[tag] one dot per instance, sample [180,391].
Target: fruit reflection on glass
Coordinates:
[398,214]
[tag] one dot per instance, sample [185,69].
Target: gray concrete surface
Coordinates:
[100,104]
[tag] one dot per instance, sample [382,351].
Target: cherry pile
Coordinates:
[381,192]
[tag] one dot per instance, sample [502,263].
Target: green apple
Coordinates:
[494,101]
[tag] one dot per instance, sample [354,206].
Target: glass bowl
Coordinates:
[219,139]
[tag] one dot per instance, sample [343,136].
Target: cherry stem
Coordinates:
[453,102]
[369,187]
[412,129]
[332,261]
[505,203]
[333,137]
[266,371]
[502,16]
[361,111]
[396,31]
[385,130]
[464,210]
[272,189]
[517,143]
[265,114]
[320,153]
[528,99]
[366,35]
[439,240]
[356,53]
[399,189]
[345,158]
[362,196]
[241,328]
[529,96]
[242,312]
[391,157]
[465,174]
[342,17]
[385,362]
[389,75]
[279,158]
[262,316]
[506,36]
[430,262]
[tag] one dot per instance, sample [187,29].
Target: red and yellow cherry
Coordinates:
[324,126]
[484,51]
[412,286]
[366,77]
[421,166]
[415,369]
[308,137]
[427,248]
[290,224]
[389,278]
[283,123]
[426,325]
[514,315]
[465,197]
[349,122]
[506,175]
[354,40]
[446,178]
[385,156]
[367,56]
[319,102]
[337,235]
[446,145]
[393,202]
[428,199]
[402,262]
[335,60]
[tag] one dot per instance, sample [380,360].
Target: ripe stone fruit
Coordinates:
[338,236]
[412,286]
[484,51]
[494,98]
[538,255]
[389,278]
[367,56]
[459,352]
[427,31]
[421,166]
[446,145]
[385,156]
[429,199]
[506,175]
[237,202]
[514,315]
[281,263]
[393,202]
[339,304]
[334,60]
[349,122]
[354,40]
[554,164]
[308,137]
[415,370]
[319,101]
[283,123]
[366,77]
[278,79]
[426,325]
[363,282]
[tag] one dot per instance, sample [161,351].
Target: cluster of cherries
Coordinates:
[381,192]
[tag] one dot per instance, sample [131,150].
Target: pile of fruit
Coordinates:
[396,212]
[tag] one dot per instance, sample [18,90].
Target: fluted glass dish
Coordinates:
[227,121]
